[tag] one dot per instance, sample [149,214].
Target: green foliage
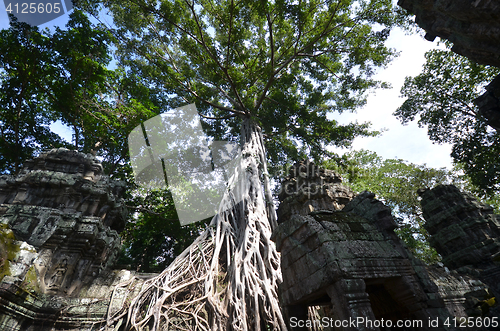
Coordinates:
[284,63]
[63,75]
[287,64]
[24,118]
[154,236]
[441,98]
[395,182]
[42,80]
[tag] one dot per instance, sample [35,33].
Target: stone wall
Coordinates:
[59,224]
[465,232]
[341,253]
[472,26]
[489,104]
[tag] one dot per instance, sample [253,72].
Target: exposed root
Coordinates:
[228,278]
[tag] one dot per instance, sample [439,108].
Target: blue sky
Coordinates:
[405,142]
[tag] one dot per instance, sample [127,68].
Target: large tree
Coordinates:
[442,98]
[265,74]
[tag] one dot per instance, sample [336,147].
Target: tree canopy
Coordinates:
[271,71]
[285,64]
[441,98]
[42,80]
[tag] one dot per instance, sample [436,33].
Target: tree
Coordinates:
[265,74]
[43,80]
[94,101]
[24,117]
[441,98]
[395,182]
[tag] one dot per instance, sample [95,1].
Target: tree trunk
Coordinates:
[228,278]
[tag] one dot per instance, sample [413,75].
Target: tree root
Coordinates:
[228,278]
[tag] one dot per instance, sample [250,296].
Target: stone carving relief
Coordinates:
[64,206]
[339,251]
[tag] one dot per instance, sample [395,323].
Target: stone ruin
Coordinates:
[341,253]
[59,224]
[60,218]
[465,232]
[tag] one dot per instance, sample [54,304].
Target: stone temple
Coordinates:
[59,224]
[341,253]
[60,220]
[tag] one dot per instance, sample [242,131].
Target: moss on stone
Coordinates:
[30,282]
[8,249]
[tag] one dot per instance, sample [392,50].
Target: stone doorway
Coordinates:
[387,300]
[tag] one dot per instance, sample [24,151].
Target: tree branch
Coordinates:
[229,33]
[271,62]
[214,58]
[218,118]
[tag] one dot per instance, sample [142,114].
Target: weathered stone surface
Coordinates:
[16,257]
[58,241]
[63,207]
[489,104]
[24,310]
[55,263]
[308,188]
[465,232]
[345,255]
[472,26]
[68,181]
[460,292]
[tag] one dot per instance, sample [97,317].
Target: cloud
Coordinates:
[408,142]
